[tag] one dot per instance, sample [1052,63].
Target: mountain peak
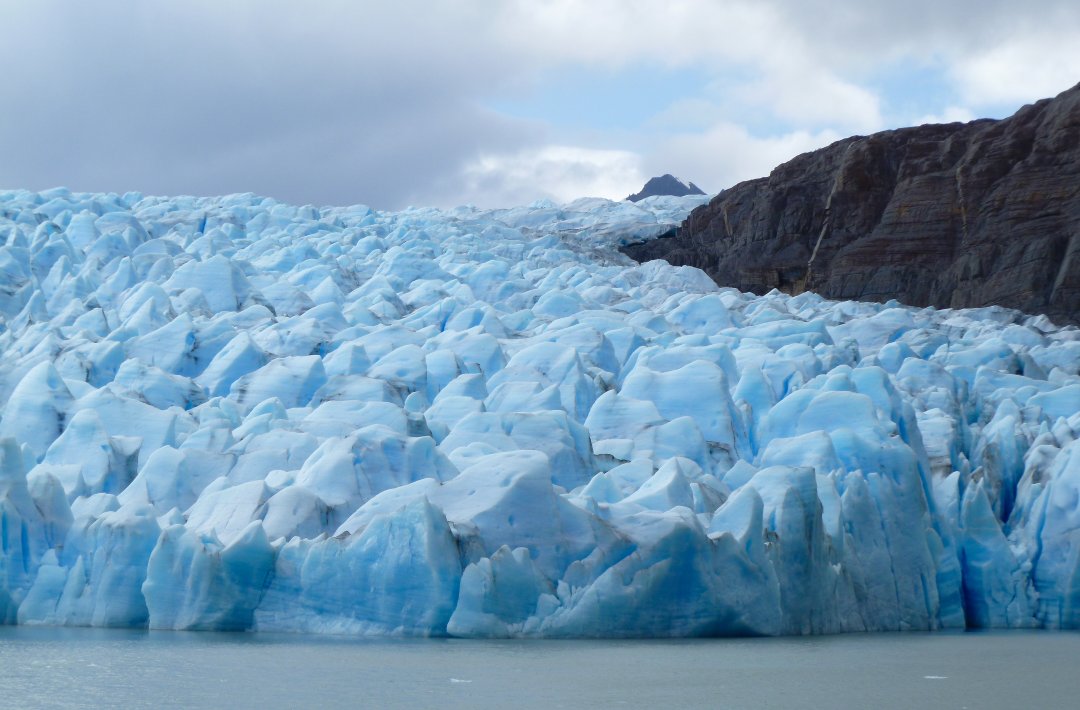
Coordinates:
[666,185]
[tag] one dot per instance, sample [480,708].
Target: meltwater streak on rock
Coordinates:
[232,413]
[958,215]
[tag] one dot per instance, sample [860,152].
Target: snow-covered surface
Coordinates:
[592,221]
[232,413]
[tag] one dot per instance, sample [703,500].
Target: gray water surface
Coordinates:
[92,668]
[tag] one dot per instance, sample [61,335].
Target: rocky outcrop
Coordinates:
[957,215]
[666,185]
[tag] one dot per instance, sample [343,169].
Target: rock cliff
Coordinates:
[956,215]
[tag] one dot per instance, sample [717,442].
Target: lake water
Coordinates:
[91,668]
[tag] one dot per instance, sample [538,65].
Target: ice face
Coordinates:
[234,413]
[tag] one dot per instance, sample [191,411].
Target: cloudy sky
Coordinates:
[492,102]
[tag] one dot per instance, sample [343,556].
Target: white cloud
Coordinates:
[789,76]
[951,114]
[805,95]
[727,154]
[555,172]
[715,159]
[1023,68]
[616,32]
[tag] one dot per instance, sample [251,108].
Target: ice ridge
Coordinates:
[232,413]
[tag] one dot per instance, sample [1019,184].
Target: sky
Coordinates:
[494,103]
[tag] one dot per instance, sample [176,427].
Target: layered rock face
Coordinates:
[954,216]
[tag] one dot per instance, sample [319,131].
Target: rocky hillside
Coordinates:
[957,215]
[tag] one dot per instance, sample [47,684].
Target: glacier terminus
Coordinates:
[236,414]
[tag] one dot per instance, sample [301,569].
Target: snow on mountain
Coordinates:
[234,413]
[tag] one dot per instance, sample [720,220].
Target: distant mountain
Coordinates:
[666,185]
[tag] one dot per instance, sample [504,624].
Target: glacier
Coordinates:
[233,413]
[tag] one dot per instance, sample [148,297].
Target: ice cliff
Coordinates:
[233,413]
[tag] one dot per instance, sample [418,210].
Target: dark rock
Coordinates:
[666,185]
[954,216]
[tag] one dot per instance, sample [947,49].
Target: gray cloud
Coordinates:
[381,103]
[345,109]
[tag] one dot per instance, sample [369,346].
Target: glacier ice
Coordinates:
[236,414]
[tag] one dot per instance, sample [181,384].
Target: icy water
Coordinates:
[87,668]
